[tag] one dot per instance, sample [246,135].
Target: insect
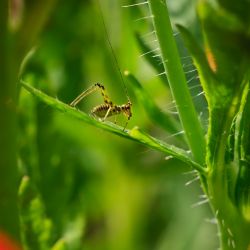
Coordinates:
[108,108]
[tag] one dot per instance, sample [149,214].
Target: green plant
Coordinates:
[226,85]
[19,28]
[220,157]
[222,160]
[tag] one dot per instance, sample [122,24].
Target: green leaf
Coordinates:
[225,43]
[36,227]
[242,145]
[200,61]
[60,245]
[134,134]
[154,143]
[222,79]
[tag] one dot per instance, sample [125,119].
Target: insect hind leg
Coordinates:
[104,94]
[90,90]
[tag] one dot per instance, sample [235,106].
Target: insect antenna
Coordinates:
[112,50]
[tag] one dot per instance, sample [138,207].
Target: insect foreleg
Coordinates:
[125,125]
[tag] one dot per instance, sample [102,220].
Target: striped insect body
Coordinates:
[108,108]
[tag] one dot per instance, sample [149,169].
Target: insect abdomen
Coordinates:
[102,110]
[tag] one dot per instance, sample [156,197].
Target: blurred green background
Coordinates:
[100,191]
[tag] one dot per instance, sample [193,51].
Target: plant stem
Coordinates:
[234,229]
[8,167]
[177,80]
